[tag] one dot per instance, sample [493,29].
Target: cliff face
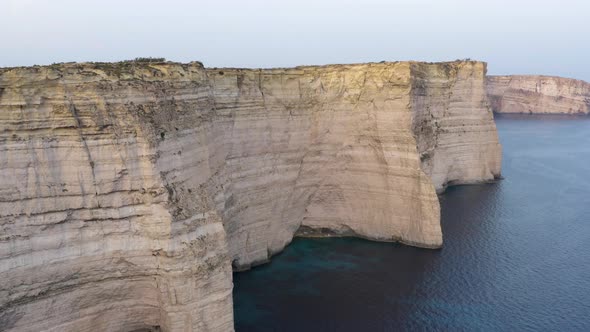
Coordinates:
[129,190]
[326,150]
[105,226]
[454,125]
[538,95]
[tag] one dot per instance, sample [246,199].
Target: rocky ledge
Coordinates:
[129,190]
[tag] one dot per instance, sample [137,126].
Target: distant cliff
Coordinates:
[538,95]
[130,189]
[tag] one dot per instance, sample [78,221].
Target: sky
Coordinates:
[545,37]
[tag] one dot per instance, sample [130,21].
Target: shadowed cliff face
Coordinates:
[454,125]
[538,95]
[130,189]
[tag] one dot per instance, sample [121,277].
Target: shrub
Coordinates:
[149,59]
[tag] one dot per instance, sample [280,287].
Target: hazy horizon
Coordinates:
[529,37]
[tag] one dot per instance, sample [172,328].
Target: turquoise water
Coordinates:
[516,255]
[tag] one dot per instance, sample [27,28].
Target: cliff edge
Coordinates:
[129,190]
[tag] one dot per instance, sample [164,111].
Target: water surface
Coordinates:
[516,255]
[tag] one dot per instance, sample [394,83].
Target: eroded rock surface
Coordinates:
[130,189]
[105,226]
[538,95]
[454,125]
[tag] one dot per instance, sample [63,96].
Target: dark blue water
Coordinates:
[516,255]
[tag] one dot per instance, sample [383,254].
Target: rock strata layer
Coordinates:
[538,95]
[454,125]
[129,190]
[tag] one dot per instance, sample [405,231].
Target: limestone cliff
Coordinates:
[104,225]
[130,189]
[454,125]
[538,95]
